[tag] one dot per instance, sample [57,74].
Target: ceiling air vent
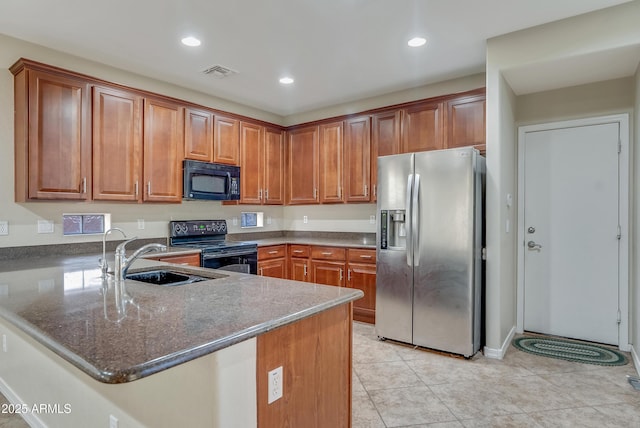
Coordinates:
[219,71]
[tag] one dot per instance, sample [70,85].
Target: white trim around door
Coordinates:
[623,266]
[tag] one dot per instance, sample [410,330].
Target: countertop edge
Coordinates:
[159,364]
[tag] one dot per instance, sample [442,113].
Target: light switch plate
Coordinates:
[45,226]
[4,227]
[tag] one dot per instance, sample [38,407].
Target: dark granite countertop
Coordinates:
[64,304]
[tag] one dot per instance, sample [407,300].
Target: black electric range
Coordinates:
[209,236]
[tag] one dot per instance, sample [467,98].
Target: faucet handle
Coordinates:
[121,246]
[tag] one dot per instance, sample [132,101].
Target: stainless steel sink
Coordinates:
[170,276]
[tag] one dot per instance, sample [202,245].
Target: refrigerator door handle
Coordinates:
[415,221]
[408,221]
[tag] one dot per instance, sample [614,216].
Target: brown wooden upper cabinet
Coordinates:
[386,133]
[162,147]
[466,120]
[303,165]
[226,140]
[274,166]
[117,144]
[331,162]
[423,127]
[52,137]
[198,134]
[261,165]
[357,159]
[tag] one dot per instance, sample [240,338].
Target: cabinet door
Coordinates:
[466,120]
[302,180]
[385,140]
[299,269]
[226,140]
[59,147]
[162,148]
[331,162]
[198,135]
[273,167]
[251,163]
[357,159]
[276,268]
[423,128]
[363,277]
[117,145]
[328,273]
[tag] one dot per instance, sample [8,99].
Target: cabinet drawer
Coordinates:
[299,250]
[185,259]
[328,253]
[272,252]
[361,255]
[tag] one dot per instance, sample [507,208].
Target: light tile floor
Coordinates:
[396,385]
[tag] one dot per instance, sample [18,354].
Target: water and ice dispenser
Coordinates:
[393,233]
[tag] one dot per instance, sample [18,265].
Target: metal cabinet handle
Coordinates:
[84,184]
[149,188]
[341,274]
[266,194]
[366,190]
[375,190]
[135,187]
[327,253]
[260,194]
[533,246]
[273,252]
[315,192]
[305,270]
[364,256]
[349,274]
[297,251]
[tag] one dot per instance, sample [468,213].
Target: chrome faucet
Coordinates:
[104,265]
[122,263]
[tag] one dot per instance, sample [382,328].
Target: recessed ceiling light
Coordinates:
[417,42]
[190,41]
[286,80]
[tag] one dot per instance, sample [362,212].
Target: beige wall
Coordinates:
[635,229]
[528,48]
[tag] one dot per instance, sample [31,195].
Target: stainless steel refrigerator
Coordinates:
[429,248]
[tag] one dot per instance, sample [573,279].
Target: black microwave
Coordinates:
[211,181]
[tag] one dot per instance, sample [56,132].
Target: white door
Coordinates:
[571,243]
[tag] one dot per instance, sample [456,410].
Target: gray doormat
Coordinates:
[569,350]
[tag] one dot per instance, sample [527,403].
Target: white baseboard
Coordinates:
[636,359]
[31,418]
[499,354]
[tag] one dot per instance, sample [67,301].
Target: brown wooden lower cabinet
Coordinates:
[182,259]
[315,355]
[272,261]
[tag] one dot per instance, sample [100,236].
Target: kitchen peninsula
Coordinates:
[192,355]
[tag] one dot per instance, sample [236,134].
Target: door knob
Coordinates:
[533,246]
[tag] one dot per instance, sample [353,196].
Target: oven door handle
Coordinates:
[220,255]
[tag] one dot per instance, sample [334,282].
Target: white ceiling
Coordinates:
[337,50]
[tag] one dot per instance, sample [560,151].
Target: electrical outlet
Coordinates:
[268,219]
[234,221]
[140,223]
[4,227]
[4,343]
[113,421]
[45,226]
[305,219]
[275,384]
[372,219]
